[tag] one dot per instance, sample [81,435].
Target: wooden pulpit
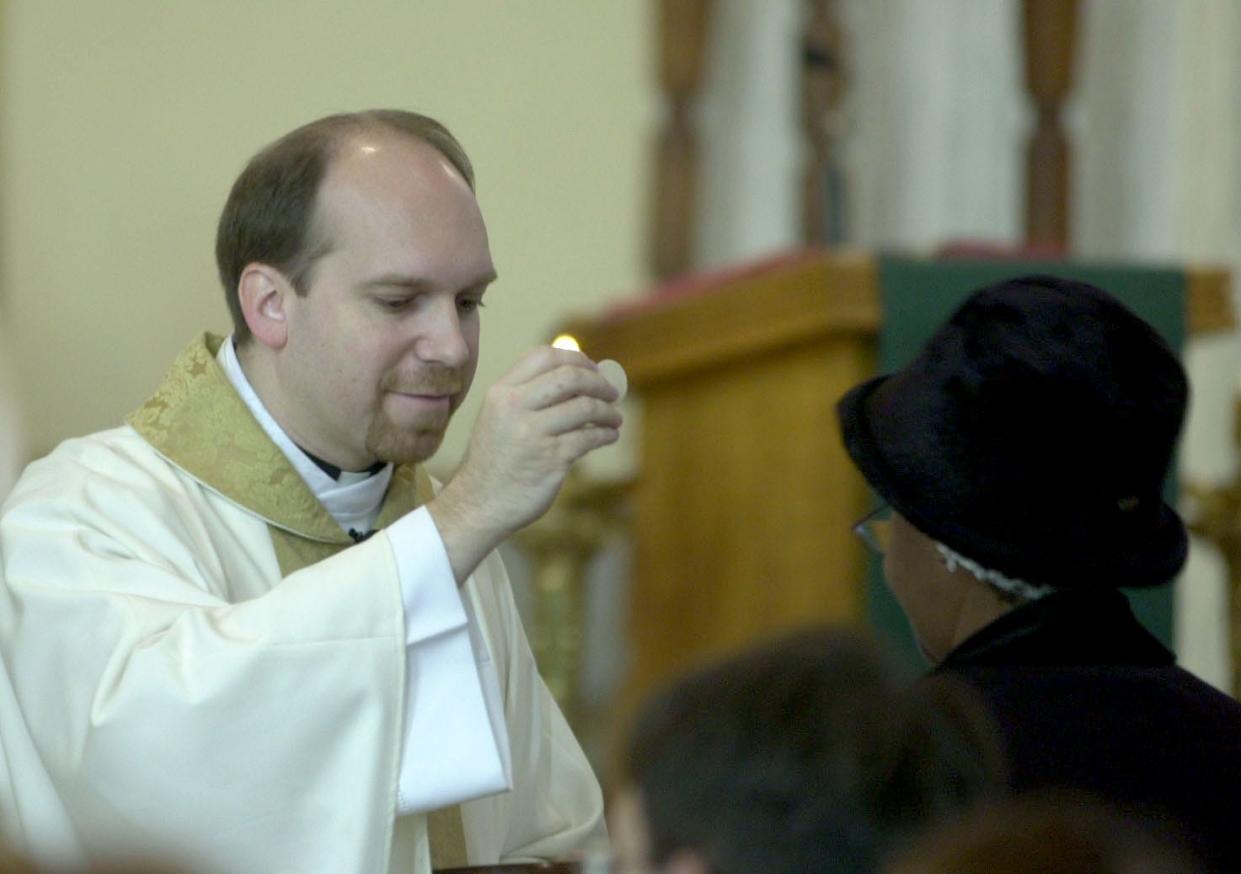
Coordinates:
[745,499]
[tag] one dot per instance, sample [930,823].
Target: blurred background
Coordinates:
[617,143]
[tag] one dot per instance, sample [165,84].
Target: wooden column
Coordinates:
[683,28]
[1050,40]
[823,87]
[743,510]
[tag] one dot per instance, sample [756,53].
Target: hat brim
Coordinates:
[1154,558]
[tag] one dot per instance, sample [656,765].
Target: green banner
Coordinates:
[920,294]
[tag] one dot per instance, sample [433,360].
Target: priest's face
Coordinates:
[383,344]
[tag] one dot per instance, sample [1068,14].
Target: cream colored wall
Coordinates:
[124,123]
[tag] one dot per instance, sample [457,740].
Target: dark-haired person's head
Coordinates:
[809,753]
[1021,453]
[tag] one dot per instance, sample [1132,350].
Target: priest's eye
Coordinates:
[393,304]
[470,304]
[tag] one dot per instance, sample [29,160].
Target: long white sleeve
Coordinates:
[454,743]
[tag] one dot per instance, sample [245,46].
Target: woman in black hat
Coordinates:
[1021,456]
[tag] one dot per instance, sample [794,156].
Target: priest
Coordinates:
[246,629]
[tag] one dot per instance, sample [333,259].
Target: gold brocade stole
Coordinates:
[197,421]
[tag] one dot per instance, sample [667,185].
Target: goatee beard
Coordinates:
[389,443]
[386,441]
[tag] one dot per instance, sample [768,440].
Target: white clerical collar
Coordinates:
[353,501]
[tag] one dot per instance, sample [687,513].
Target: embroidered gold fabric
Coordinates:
[446,835]
[197,421]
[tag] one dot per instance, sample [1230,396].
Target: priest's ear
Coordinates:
[265,293]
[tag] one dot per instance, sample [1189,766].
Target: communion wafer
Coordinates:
[615,374]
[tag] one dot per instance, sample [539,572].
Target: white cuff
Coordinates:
[428,587]
[455,745]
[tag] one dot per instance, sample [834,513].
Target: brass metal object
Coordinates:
[1215,516]
[585,517]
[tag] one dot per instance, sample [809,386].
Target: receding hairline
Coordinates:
[354,130]
[394,124]
[373,137]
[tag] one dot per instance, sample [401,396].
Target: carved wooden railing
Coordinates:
[683,29]
[824,78]
[1050,39]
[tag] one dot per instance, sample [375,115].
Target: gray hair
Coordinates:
[1010,588]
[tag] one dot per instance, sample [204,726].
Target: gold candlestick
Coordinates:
[1215,516]
[583,519]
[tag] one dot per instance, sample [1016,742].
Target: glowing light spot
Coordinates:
[567,341]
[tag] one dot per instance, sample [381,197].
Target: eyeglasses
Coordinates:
[872,529]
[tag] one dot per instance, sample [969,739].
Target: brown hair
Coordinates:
[269,216]
[807,753]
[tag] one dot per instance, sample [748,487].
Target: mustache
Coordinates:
[433,379]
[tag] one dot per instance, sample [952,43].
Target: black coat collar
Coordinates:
[1065,628]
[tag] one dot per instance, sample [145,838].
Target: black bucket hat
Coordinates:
[1033,434]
